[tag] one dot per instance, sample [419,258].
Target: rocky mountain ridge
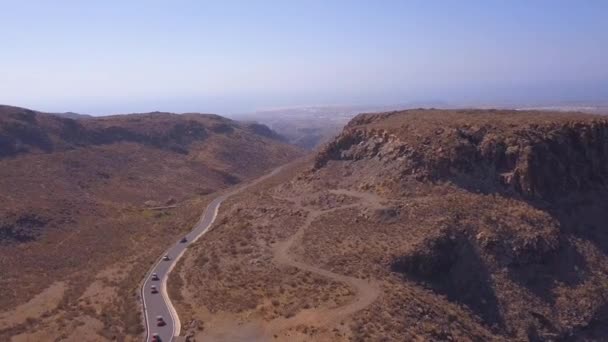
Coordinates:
[542,160]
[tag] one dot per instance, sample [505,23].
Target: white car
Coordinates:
[166,257]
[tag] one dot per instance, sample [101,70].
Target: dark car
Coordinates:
[184,240]
[160,321]
[156,338]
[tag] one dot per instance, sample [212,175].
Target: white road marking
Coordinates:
[167,300]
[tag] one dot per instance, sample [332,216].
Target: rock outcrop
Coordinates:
[540,156]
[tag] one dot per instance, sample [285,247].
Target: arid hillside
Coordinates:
[88,204]
[420,225]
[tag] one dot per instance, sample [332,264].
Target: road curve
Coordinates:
[159,304]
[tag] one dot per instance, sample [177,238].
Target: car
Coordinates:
[160,321]
[156,338]
[154,276]
[153,289]
[166,257]
[184,240]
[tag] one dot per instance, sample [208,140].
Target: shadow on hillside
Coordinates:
[580,217]
[453,267]
[595,330]
[175,138]
[565,265]
[27,136]
[583,217]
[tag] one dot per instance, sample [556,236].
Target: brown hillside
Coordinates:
[418,225]
[77,232]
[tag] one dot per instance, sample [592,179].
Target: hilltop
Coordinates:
[416,225]
[89,203]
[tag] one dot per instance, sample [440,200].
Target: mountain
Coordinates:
[72,115]
[88,204]
[418,225]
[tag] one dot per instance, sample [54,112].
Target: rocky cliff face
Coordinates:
[536,155]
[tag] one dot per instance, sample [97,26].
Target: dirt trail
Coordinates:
[372,200]
[366,291]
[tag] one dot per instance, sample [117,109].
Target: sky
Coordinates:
[118,56]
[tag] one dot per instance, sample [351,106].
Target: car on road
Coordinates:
[160,321]
[156,338]
[184,240]
[166,257]
[153,289]
[154,276]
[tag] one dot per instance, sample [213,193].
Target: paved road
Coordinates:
[159,304]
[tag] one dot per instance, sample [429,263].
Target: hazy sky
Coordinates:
[234,56]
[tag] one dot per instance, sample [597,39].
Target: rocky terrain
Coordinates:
[88,204]
[420,225]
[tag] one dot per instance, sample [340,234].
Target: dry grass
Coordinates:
[456,260]
[232,260]
[74,197]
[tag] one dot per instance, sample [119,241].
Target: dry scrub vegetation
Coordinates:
[473,225]
[235,264]
[78,224]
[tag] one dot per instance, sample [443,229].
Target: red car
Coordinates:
[160,321]
[153,289]
[156,338]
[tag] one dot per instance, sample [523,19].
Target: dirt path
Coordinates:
[366,291]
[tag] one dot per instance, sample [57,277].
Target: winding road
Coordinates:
[159,304]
